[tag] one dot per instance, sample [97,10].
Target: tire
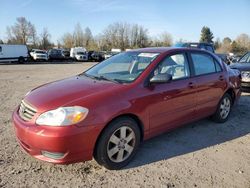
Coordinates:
[118,143]
[223,110]
[21,60]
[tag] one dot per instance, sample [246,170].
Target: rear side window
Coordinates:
[203,64]
[217,66]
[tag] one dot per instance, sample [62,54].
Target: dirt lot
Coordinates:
[201,154]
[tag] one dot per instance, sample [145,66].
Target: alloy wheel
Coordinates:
[225,107]
[121,144]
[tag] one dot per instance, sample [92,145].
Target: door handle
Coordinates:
[221,78]
[191,85]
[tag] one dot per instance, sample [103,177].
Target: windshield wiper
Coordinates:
[101,78]
[107,79]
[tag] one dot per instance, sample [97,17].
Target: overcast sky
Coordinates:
[182,18]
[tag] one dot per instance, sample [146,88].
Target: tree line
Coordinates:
[117,35]
[238,46]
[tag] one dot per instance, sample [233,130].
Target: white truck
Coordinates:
[10,53]
[79,54]
[113,52]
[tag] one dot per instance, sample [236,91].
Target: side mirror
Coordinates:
[161,78]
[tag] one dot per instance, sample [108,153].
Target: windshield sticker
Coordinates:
[151,55]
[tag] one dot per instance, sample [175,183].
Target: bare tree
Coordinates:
[88,37]
[68,40]
[225,46]
[78,36]
[244,41]
[33,35]
[21,32]
[165,39]
[45,39]
[123,35]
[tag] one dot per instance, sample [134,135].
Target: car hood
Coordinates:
[63,92]
[241,66]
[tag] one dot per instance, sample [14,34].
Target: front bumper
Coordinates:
[81,58]
[74,144]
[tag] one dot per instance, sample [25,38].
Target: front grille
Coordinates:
[245,84]
[26,112]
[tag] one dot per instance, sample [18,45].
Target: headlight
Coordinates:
[63,116]
[245,76]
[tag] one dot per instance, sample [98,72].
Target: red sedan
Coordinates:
[109,109]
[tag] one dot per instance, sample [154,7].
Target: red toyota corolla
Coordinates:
[109,109]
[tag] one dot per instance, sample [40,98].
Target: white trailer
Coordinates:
[10,53]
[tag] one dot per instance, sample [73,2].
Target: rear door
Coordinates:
[210,82]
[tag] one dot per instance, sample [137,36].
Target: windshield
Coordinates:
[124,67]
[80,53]
[245,58]
[40,52]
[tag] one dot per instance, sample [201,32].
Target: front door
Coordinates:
[173,103]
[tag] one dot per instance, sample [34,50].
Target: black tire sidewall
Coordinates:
[101,154]
[21,60]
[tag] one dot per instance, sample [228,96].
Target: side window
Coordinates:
[203,64]
[0,48]
[217,66]
[245,58]
[176,65]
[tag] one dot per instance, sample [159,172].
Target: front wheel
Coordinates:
[118,143]
[223,110]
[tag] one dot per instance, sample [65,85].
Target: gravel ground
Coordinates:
[201,154]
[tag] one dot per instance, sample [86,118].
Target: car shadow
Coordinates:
[195,136]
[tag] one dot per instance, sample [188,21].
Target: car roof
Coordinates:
[165,49]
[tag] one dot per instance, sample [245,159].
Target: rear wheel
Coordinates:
[118,144]
[223,110]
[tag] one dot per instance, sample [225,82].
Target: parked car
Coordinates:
[107,55]
[109,109]
[243,65]
[31,52]
[224,58]
[11,53]
[112,53]
[95,56]
[55,54]
[201,45]
[40,55]
[66,53]
[79,54]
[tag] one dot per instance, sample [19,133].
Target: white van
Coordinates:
[10,53]
[79,54]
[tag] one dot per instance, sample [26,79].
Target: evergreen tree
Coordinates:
[206,35]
